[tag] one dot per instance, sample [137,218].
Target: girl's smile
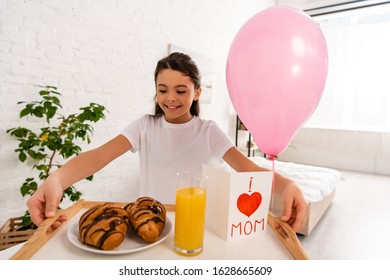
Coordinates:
[170,107]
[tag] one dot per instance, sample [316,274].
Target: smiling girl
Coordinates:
[172,140]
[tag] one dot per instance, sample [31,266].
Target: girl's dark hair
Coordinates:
[183,63]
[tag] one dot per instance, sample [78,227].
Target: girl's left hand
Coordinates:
[295,208]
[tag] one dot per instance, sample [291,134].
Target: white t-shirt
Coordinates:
[166,149]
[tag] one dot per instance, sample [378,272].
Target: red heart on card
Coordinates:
[247,204]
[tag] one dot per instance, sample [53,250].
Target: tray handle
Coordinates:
[289,238]
[43,233]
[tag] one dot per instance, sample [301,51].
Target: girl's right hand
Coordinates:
[45,201]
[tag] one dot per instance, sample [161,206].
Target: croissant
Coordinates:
[104,226]
[147,216]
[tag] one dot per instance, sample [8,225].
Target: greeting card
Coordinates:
[237,202]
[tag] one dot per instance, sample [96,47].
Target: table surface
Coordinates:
[264,245]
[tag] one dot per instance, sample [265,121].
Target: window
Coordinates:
[357,91]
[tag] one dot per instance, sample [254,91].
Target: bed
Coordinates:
[318,185]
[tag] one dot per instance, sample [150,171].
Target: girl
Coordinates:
[174,139]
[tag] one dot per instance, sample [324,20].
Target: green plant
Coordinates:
[56,139]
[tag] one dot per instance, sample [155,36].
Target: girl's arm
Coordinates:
[88,163]
[295,208]
[46,199]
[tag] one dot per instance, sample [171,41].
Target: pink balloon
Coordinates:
[276,72]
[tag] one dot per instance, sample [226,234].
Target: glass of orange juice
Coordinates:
[190,214]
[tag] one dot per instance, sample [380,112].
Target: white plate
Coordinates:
[132,243]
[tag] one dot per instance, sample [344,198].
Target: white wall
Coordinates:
[104,51]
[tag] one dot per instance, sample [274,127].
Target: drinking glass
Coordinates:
[190,214]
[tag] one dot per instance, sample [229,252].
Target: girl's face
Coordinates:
[175,93]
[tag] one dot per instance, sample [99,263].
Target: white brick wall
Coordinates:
[104,51]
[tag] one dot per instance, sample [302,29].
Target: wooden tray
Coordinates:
[43,234]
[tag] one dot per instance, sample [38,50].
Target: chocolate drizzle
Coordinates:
[111,231]
[156,219]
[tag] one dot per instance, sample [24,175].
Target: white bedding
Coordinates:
[315,182]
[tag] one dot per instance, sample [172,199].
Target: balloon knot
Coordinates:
[271,157]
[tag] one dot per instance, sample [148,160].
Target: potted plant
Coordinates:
[55,140]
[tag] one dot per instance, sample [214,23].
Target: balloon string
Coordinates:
[273,185]
[272,158]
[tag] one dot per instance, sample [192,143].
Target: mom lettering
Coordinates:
[246,228]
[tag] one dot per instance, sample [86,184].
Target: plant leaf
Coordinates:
[22,156]
[24,112]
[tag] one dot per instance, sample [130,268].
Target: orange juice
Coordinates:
[190,220]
